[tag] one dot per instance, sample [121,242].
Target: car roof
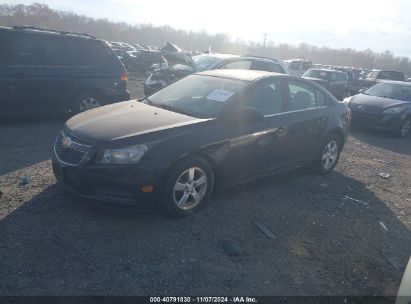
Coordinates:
[328,70]
[32,29]
[244,75]
[406,83]
[218,55]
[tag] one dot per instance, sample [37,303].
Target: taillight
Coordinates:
[124,76]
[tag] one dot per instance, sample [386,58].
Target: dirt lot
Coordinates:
[56,244]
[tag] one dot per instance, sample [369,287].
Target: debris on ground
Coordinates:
[263,228]
[383,226]
[232,248]
[355,200]
[384,175]
[25,181]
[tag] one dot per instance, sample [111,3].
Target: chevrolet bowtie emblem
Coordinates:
[66,142]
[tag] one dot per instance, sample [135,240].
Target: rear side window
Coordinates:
[267,66]
[88,52]
[321,100]
[23,50]
[38,50]
[301,97]
[3,48]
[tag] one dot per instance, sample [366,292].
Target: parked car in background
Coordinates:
[48,72]
[377,75]
[297,67]
[162,77]
[354,81]
[334,81]
[207,130]
[142,60]
[384,106]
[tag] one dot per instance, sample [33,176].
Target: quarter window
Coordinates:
[301,97]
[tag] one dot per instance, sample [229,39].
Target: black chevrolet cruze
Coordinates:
[208,130]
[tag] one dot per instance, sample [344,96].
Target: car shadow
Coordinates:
[27,141]
[383,140]
[58,244]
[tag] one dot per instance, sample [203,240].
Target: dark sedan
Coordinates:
[210,129]
[385,106]
[334,81]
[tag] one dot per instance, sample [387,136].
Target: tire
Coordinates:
[328,155]
[405,127]
[181,196]
[86,101]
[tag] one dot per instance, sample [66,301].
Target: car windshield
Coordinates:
[316,74]
[205,62]
[197,95]
[393,91]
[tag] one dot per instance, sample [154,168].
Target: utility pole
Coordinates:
[265,39]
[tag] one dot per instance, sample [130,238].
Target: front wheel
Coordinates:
[329,155]
[86,101]
[188,187]
[404,128]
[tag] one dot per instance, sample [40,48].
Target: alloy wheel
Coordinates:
[330,154]
[190,188]
[405,127]
[89,103]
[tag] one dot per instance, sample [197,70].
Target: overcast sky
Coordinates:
[359,24]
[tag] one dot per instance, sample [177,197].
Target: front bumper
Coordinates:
[114,184]
[376,121]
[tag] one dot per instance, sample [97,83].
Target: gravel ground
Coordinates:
[53,243]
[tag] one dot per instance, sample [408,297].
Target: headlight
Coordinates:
[128,155]
[394,110]
[347,100]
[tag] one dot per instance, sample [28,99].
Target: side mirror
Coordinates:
[248,115]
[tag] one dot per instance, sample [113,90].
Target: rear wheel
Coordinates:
[329,155]
[404,128]
[188,187]
[86,101]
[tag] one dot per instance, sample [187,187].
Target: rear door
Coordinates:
[309,118]
[38,67]
[258,147]
[6,82]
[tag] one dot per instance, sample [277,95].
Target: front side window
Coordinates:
[301,97]
[267,98]
[197,95]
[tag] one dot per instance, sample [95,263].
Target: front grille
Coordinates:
[70,152]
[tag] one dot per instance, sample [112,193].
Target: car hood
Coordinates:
[123,120]
[372,104]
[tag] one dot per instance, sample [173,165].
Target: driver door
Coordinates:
[259,147]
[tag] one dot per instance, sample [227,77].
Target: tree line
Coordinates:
[42,16]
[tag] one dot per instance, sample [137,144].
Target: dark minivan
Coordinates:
[50,72]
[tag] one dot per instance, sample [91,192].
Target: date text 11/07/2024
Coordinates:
[203,300]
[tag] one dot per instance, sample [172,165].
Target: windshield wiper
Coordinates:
[172,109]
